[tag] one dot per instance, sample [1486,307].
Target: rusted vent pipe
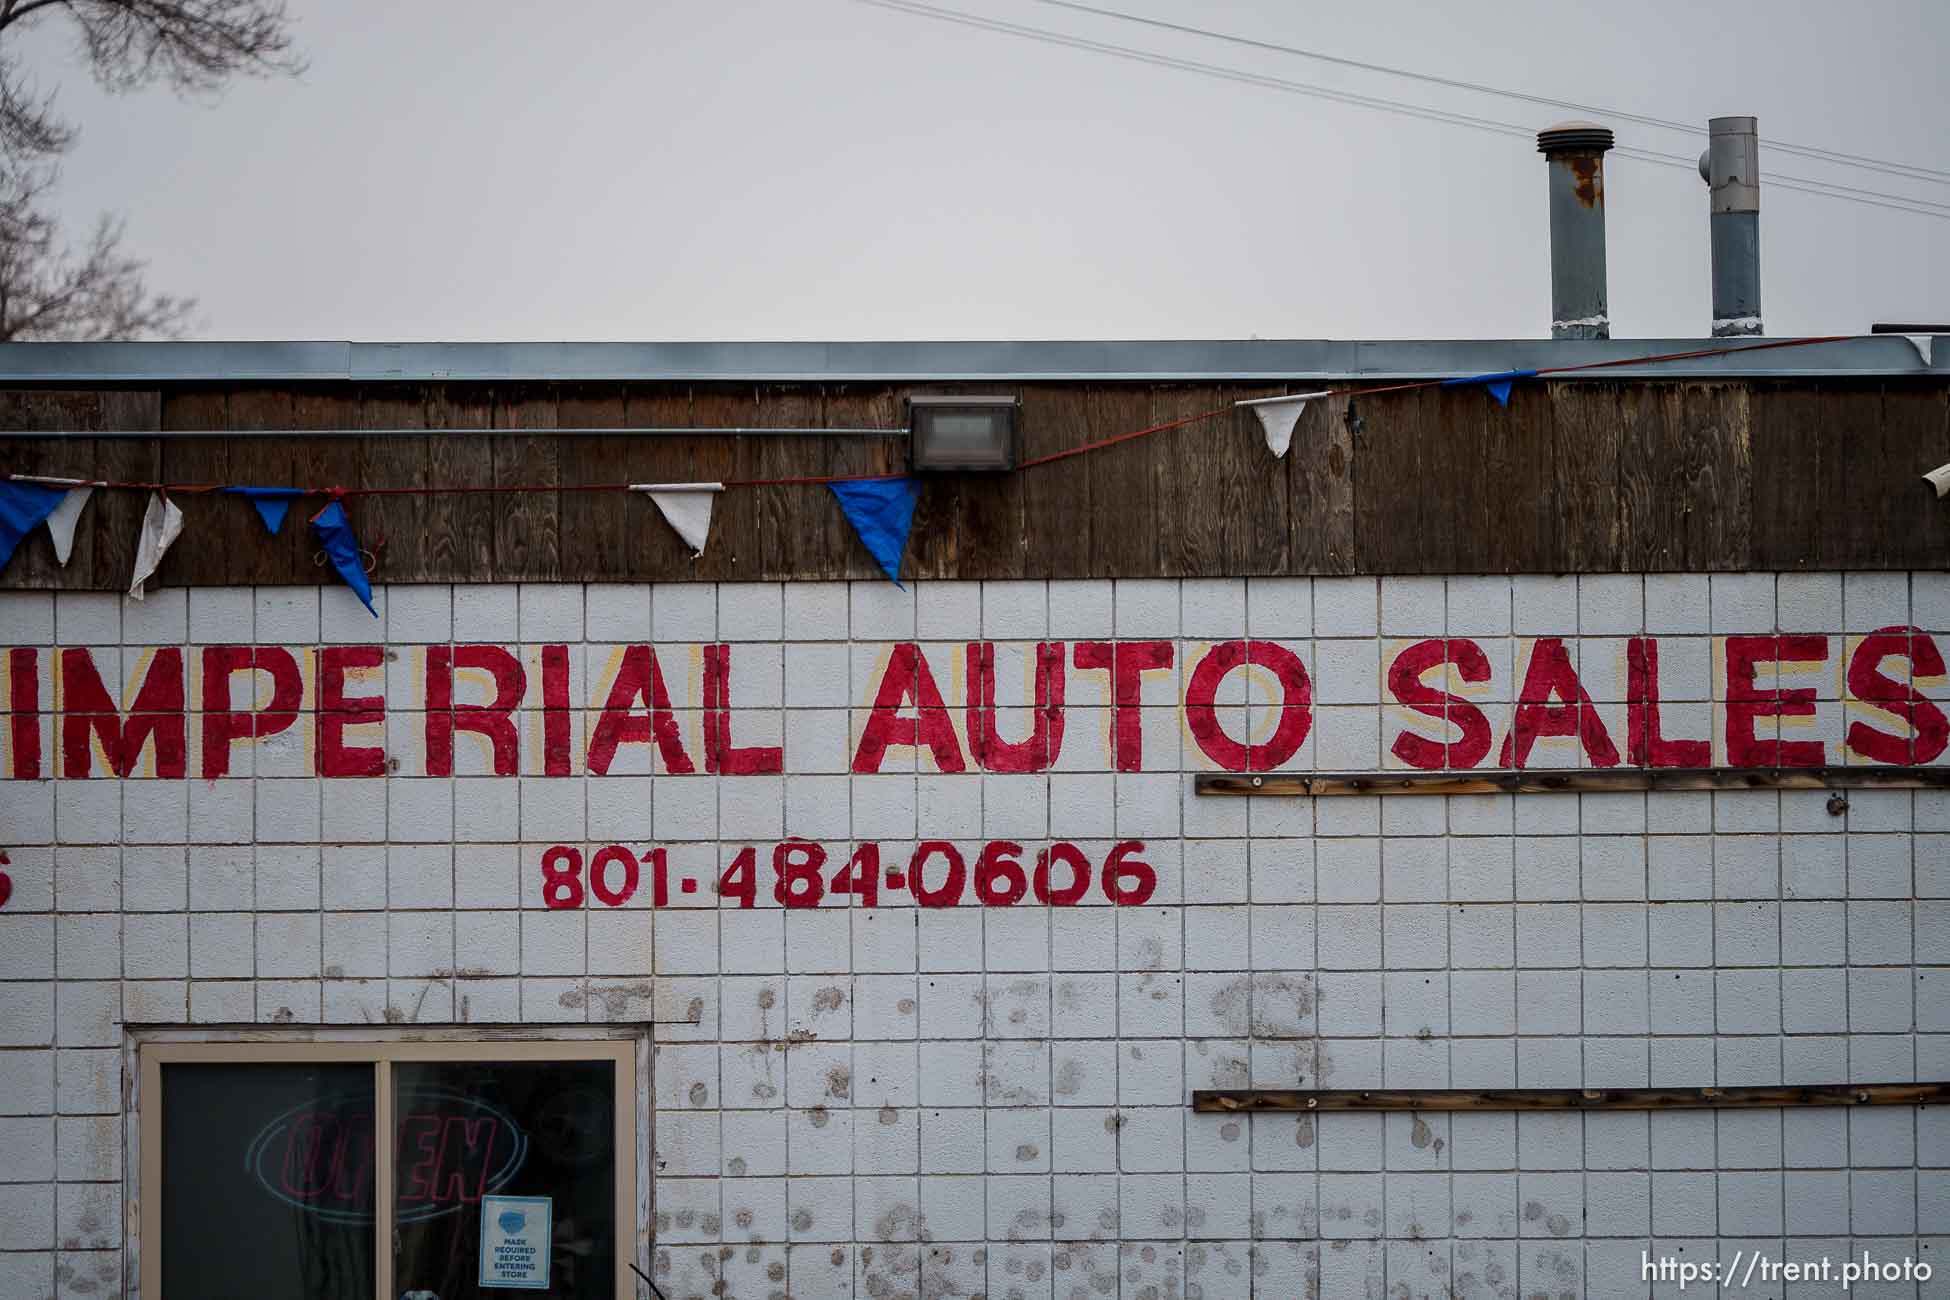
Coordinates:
[1576,154]
[1731,169]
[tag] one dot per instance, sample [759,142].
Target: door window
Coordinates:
[510,1167]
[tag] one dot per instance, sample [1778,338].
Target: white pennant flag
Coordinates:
[162,523]
[686,507]
[1278,415]
[1925,345]
[61,522]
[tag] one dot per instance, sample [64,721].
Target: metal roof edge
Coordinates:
[1255,360]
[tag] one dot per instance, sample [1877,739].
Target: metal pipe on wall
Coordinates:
[1576,154]
[1731,169]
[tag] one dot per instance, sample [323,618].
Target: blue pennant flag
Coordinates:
[23,506]
[271,503]
[1498,382]
[881,511]
[334,532]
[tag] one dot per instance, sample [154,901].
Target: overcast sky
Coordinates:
[824,169]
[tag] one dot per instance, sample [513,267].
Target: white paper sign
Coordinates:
[515,1234]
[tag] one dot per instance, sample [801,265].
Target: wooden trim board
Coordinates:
[1571,781]
[1234,1100]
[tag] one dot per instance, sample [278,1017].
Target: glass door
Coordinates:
[481,1142]
[268,1180]
[510,1166]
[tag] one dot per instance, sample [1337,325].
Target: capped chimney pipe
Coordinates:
[1576,154]
[1731,169]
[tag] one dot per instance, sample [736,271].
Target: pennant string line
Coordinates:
[1114,439]
[827,480]
[1697,354]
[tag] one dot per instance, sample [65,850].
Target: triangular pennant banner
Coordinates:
[1925,345]
[881,511]
[60,523]
[334,533]
[271,503]
[685,507]
[1498,382]
[22,508]
[1278,415]
[162,524]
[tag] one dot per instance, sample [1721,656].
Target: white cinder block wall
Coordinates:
[961,1100]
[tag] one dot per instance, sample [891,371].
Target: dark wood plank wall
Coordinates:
[104,542]
[1587,475]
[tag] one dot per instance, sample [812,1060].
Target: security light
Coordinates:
[961,433]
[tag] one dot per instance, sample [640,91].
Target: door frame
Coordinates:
[147,1050]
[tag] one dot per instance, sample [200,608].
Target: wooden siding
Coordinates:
[1572,476]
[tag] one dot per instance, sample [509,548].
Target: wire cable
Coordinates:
[1911,170]
[1047,36]
[1808,185]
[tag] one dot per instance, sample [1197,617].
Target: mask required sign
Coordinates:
[515,1235]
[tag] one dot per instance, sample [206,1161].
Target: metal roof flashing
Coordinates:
[1189,360]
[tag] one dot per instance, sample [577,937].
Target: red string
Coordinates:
[1697,353]
[822,480]
[1113,440]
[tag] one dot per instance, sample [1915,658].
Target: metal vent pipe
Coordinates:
[1576,154]
[1731,169]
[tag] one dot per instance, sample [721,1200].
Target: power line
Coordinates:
[1807,185]
[1192,65]
[1810,186]
[1910,170]
[1803,184]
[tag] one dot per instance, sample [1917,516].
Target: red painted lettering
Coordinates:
[24,722]
[1126,662]
[157,714]
[555,710]
[638,678]
[1551,677]
[720,754]
[1868,683]
[222,724]
[495,721]
[1036,754]
[1405,683]
[337,711]
[908,681]
[1296,705]
[1645,743]
[1747,702]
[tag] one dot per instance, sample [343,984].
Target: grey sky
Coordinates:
[805,169]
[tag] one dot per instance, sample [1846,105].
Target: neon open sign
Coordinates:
[452,1150]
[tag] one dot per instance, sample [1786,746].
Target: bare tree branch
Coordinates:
[192,44]
[29,128]
[49,290]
